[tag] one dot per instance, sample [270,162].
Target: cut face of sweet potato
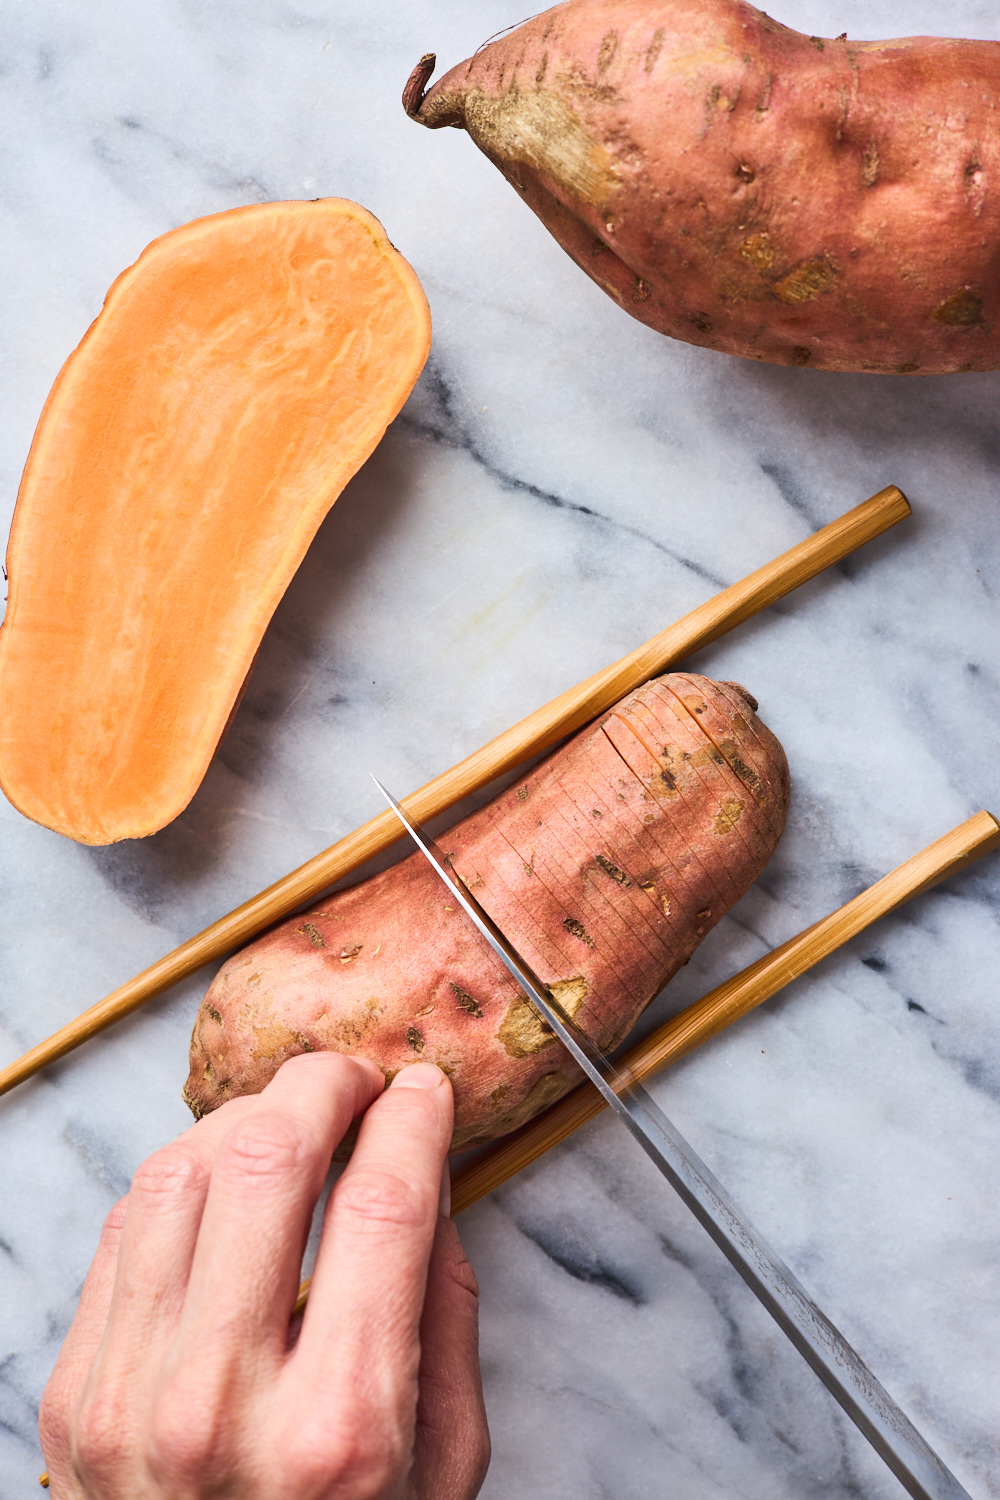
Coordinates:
[240,373]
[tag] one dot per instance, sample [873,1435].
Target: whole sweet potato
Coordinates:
[605,867]
[738,185]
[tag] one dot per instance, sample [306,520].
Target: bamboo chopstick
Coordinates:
[538,731]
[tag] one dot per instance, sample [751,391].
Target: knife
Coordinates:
[838,1365]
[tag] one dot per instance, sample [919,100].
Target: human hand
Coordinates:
[185,1374]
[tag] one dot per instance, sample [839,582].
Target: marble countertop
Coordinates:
[561,485]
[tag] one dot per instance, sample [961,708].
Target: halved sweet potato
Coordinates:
[238,376]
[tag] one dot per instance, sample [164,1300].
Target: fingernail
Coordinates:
[418,1076]
[445,1199]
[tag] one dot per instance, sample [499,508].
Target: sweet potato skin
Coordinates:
[605,866]
[738,185]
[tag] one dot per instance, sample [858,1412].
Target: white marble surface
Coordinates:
[561,485]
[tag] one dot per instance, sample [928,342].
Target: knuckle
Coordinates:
[166,1176]
[359,1459]
[115,1217]
[481,1454]
[265,1144]
[54,1415]
[184,1436]
[376,1199]
[98,1436]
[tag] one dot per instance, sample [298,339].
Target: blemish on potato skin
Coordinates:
[975,187]
[757,251]
[653,51]
[763,104]
[612,869]
[578,930]
[312,932]
[569,994]
[466,1001]
[963,309]
[745,773]
[675,762]
[728,815]
[870,165]
[609,46]
[216,1016]
[521,1033]
[271,1039]
[538,129]
[415,1039]
[808,280]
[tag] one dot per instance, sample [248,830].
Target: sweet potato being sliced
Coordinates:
[240,373]
[605,876]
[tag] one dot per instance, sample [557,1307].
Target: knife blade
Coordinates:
[841,1369]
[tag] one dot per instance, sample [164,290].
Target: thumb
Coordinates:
[452,1438]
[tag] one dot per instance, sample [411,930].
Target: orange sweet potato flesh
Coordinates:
[240,373]
[605,867]
[732,183]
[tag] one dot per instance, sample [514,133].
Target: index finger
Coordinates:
[359,1349]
